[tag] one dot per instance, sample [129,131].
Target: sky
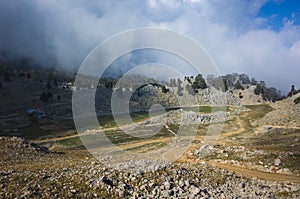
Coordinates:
[258,37]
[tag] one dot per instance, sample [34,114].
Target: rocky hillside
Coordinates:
[247,96]
[28,172]
[286,113]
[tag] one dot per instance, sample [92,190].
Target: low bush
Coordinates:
[297,100]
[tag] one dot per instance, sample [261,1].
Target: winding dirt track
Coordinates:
[258,174]
[241,129]
[86,133]
[249,173]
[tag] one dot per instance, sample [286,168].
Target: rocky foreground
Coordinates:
[30,171]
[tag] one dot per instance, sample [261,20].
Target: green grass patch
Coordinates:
[107,138]
[148,147]
[211,109]
[108,121]
[258,111]
[202,109]
[119,137]
[69,123]
[33,132]
[72,143]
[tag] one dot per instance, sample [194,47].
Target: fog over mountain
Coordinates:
[62,33]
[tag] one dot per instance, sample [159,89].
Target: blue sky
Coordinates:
[276,11]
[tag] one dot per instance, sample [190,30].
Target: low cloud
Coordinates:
[61,33]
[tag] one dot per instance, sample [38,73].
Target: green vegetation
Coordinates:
[293,91]
[270,94]
[147,147]
[210,109]
[297,100]
[35,132]
[119,137]
[283,143]
[72,143]
[115,137]
[199,82]
[258,111]
[238,85]
[202,109]
[164,89]
[107,121]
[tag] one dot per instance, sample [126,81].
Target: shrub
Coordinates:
[49,86]
[164,89]
[238,85]
[241,96]
[293,91]
[29,76]
[7,78]
[44,97]
[297,100]
[49,95]
[199,83]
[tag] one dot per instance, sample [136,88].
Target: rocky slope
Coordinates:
[286,113]
[28,171]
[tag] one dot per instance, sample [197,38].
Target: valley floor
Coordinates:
[255,157]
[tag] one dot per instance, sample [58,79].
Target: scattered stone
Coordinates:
[277,162]
[194,190]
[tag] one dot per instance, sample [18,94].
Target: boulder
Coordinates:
[277,162]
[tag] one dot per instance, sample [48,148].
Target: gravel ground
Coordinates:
[30,171]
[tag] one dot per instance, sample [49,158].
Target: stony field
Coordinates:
[257,154]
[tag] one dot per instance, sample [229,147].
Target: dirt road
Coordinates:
[172,153]
[258,174]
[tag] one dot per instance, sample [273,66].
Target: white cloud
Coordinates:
[230,31]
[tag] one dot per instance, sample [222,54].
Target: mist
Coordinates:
[61,33]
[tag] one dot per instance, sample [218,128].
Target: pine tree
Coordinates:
[199,82]
[190,90]
[179,90]
[293,91]
[238,85]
